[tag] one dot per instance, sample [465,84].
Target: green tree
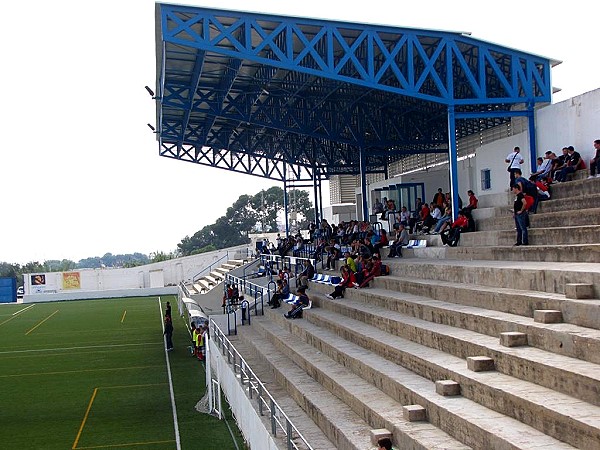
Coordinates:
[247,214]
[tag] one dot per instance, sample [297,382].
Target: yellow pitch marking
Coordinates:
[41,322]
[8,320]
[87,413]
[123,318]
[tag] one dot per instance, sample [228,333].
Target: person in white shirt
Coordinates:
[514,161]
[543,168]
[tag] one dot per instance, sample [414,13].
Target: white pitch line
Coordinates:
[23,310]
[77,348]
[173,407]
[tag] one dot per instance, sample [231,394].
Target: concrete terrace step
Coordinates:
[588,253]
[228,266]
[560,338]
[236,262]
[506,221]
[344,428]
[571,203]
[562,373]
[244,343]
[201,286]
[210,280]
[465,420]
[521,275]
[575,188]
[585,313]
[561,416]
[524,363]
[566,235]
[378,409]
[217,275]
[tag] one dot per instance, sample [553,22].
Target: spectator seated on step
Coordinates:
[451,236]
[319,249]
[299,305]
[403,217]
[348,281]
[349,261]
[572,163]
[334,250]
[288,246]
[307,274]
[443,221]
[372,270]
[542,170]
[283,291]
[400,241]
[559,162]
[366,249]
[298,246]
[379,240]
[543,188]
[595,161]
[426,220]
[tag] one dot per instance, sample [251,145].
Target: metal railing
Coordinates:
[247,288]
[209,268]
[256,390]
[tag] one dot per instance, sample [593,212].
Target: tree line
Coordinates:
[248,214]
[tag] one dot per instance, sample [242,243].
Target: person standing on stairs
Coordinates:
[514,161]
[520,213]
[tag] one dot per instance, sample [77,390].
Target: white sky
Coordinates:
[80,173]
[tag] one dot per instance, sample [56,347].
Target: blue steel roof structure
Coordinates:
[290,98]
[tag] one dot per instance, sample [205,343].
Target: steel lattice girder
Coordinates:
[312,93]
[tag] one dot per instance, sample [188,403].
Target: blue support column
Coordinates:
[532,139]
[363,183]
[453,160]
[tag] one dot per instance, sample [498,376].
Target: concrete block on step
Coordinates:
[513,339]
[379,433]
[579,290]
[480,363]
[447,387]
[414,413]
[547,316]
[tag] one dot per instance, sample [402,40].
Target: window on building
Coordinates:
[486,180]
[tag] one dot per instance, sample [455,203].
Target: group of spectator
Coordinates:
[552,168]
[362,262]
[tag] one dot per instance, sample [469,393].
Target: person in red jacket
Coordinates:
[348,281]
[372,272]
[451,236]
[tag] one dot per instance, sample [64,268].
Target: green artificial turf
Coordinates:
[93,374]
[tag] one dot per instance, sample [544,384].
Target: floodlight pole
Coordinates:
[453,161]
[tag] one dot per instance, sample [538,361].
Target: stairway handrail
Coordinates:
[255,386]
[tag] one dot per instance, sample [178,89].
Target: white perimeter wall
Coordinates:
[246,417]
[571,122]
[148,278]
